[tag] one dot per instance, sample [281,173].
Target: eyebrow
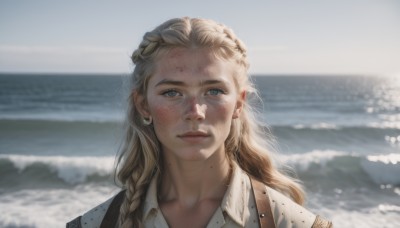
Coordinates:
[181,83]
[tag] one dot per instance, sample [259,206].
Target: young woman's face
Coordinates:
[192,99]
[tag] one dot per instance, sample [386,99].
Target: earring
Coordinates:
[147,121]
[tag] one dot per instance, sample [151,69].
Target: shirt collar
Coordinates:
[151,202]
[233,203]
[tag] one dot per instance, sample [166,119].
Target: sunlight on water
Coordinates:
[386,103]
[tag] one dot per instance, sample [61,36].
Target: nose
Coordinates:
[194,109]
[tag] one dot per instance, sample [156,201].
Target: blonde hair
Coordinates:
[246,144]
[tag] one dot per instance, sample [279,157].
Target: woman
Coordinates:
[195,154]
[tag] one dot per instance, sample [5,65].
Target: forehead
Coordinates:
[192,63]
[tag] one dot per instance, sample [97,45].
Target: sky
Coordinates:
[358,37]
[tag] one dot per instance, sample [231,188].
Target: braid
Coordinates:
[150,43]
[238,43]
[139,166]
[130,209]
[136,186]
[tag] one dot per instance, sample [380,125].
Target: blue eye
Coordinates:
[215,92]
[170,93]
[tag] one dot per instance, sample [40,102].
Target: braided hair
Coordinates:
[140,158]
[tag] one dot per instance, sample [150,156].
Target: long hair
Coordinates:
[246,143]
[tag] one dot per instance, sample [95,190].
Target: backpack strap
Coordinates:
[321,223]
[111,217]
[265,217]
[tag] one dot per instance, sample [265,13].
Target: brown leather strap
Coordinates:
[111,217]
[321,223]
[262,203]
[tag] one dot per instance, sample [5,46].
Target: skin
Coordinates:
[192,99]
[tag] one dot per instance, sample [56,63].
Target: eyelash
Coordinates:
[220,91]
[168,92]
[165,93]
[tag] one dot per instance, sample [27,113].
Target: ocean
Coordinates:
[59,136]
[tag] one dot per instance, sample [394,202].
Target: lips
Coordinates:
[194,136]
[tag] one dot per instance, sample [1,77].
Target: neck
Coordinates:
[190,182]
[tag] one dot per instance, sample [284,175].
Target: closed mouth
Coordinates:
[193,134]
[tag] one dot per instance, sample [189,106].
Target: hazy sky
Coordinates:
[283,37]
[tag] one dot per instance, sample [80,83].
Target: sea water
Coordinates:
[59,136]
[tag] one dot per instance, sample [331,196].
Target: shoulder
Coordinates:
[287,213]
[91,218]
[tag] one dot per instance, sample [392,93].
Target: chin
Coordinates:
[195,155]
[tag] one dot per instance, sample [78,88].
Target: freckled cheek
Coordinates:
[223,111]
[163,114]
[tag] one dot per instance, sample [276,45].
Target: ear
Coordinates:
[239,105]
[141,104]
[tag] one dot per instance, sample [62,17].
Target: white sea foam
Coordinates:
[317,126]
[363,217]
[385,208]
[385,125]
[386,159]
[50,208]
[73,170]
[303,161]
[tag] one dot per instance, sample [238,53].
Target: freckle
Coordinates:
[211,167]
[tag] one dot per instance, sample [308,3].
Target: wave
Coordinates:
[50,207]
[384,124]
[332,126]
[316,126]
[328,166]
[346,169]
[362,137]
[37,170]
[383,169]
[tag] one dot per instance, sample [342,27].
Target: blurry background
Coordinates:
[328,73]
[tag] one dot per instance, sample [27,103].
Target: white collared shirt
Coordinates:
[237,209]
